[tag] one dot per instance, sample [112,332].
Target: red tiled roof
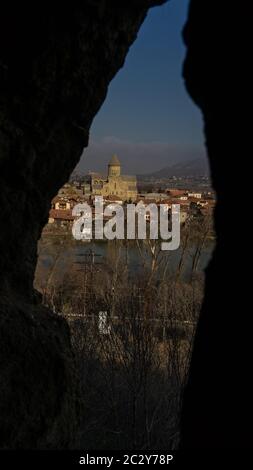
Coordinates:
[61,214]
[57,199]
[112,198]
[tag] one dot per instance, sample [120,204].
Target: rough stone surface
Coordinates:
[217,410]
[56,62]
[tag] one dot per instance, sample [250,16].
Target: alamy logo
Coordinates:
[128,222]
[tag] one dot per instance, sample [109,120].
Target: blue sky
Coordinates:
[148,118]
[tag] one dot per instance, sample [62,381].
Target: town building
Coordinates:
[153,197]
[61,217]
[195,195]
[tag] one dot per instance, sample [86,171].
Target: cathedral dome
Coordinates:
[114,161]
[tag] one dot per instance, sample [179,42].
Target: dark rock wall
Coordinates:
[56,62]
[217,410]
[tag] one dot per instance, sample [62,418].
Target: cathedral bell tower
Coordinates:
[114,166]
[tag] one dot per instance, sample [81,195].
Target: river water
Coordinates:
[62,258]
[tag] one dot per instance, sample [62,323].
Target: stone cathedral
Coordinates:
[114,184]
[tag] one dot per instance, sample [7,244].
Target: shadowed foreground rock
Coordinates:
[55,66]
[217,411]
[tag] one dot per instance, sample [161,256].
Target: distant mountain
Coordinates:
[197,167]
